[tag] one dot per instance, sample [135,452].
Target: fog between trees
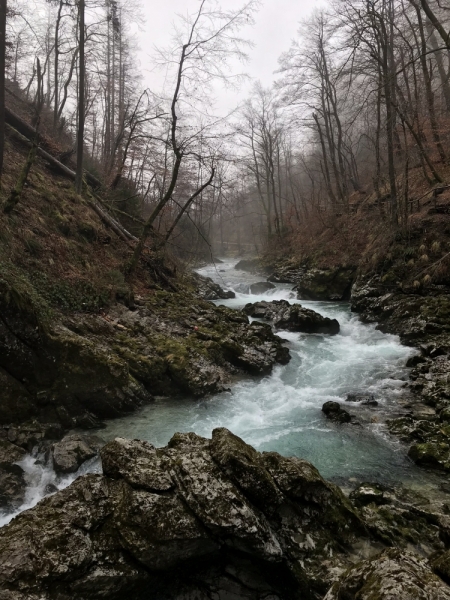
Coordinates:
[358,114]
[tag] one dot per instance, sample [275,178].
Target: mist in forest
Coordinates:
[238,126]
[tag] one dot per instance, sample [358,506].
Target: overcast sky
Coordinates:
[276,25]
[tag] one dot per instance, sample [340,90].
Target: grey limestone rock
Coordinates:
[392,575]
[198,519]
[73,450]
[292,317]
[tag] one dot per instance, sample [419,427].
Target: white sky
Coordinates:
[275,27]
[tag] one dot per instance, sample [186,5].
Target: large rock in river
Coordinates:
[335,412]
[198,519]
[292,317]
[261,287]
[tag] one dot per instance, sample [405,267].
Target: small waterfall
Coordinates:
[42,480]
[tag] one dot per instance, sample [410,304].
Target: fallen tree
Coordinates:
[29,132]
[59,166]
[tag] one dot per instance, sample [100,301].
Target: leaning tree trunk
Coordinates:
[16,192]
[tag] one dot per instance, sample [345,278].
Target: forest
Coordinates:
[356,119]
[224,300]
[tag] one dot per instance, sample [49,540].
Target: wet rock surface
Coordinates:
[292,317]
[335,412]
[326,284]
[73,450]
[312,283]
[12,476]
[209,290]
[252,265]
[84,368]
[261,287]
[392,575]
[12,486]
[363,399]
[422,321]
[215,519]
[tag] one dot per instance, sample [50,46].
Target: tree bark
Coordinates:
[81,88]
[2,82]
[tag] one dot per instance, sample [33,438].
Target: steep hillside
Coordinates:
[79,341]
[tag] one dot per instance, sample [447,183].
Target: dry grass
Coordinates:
[60,244]
[416,254]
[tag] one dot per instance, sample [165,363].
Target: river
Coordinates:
[282,412]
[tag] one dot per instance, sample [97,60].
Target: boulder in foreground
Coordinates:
[213,520]
[198,519]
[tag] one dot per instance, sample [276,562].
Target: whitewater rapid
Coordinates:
[282,412]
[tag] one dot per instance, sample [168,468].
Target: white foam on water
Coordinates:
[282,412]
[42,481]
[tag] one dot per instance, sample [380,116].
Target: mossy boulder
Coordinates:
[390,575]
[196,519]
[432,454]
[81,368]
[326,284]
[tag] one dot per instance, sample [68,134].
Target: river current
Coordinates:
[282,411]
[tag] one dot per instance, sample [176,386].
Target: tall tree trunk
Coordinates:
[440,64]
[2,81]
[16,192]
[185,207]
[56,65]
[81,88]
[326,169]
[429,89]
[107,145]
[445,35]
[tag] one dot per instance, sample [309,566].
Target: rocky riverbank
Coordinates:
[78,369]
[420,316]
[214,519]
[422,321]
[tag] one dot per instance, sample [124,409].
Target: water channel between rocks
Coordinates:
[282,412]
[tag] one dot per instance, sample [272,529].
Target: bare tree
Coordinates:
[203,56]
[2,81]
[81,107]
